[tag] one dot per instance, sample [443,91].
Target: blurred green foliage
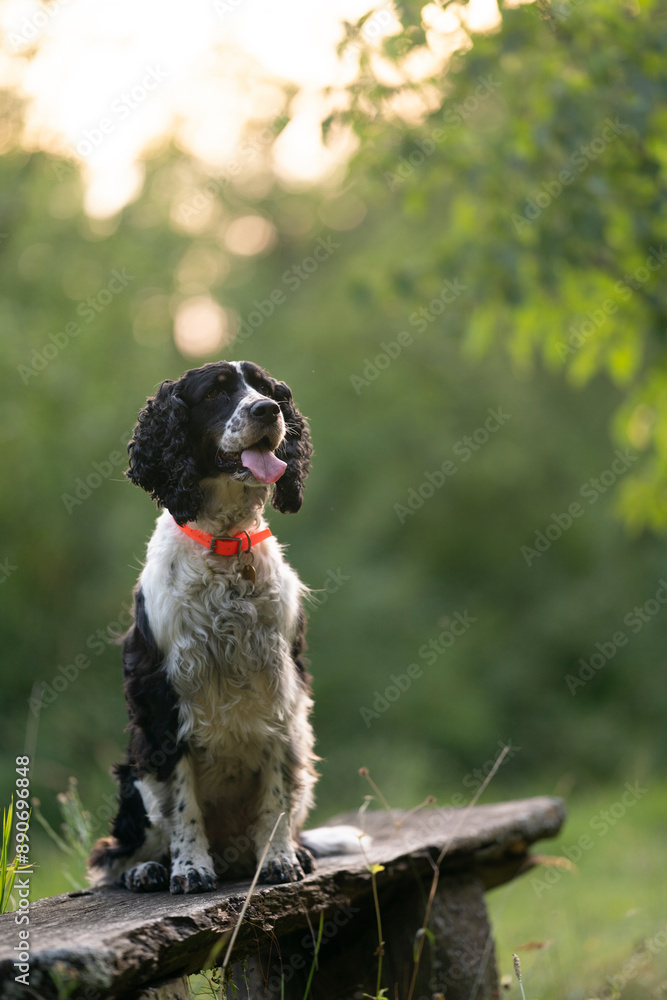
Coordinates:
[545,165]
[395,345]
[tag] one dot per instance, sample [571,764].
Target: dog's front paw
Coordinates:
[281,868]
[147,877]
[200,879]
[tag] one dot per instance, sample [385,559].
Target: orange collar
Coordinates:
[227,545]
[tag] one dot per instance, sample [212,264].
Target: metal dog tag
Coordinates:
[246,568]
[248,573]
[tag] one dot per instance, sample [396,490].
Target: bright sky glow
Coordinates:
[108,82]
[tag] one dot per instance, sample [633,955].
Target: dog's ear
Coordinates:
[161,459]
[296,450]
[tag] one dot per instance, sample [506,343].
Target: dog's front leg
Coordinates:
[285,861]
[191,865]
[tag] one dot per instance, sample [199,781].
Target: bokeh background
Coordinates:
[443,226]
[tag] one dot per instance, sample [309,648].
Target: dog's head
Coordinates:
[224,419]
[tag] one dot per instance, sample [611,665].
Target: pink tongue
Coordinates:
[263,464]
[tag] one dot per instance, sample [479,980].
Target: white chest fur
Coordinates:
[227,643]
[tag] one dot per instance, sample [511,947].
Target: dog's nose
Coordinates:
[265,410]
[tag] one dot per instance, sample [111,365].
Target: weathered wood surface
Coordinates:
[116,944]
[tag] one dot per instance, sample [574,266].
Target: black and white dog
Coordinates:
[217,690]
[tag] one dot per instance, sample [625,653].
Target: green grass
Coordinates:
[591,924]
[10,865]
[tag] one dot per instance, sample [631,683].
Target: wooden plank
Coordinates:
[114,943]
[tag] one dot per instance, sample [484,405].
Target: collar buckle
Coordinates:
[231,538]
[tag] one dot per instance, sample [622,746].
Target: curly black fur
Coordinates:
[153,746]
[161,456]
[296,450]
[128,830]
[152,701]
[171,450]
[299,647]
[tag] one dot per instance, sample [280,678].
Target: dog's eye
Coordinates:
[218,391]
[264,388]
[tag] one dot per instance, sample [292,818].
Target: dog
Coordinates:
[220,763]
